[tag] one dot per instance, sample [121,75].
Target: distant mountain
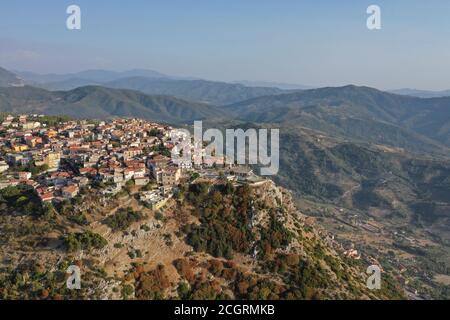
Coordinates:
[279,85]
[422,93]
[152,82]
[101,103]
[218,93]
[357,113]
[68,84]
[90,76]
[9,79]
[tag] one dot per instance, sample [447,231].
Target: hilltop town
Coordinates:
[61,160]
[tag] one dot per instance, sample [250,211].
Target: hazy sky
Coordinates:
[306,42]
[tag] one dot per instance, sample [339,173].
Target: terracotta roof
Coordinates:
[70,189]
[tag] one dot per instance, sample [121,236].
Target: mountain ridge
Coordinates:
[337,108]
[96,75]
[152,82]
[101,103]
[421,93]
[212,92]
[9,79]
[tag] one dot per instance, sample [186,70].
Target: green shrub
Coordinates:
[123,219]
[84,241]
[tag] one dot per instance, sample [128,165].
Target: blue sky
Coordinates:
[306,42]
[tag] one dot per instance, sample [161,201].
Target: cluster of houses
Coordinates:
[59,160]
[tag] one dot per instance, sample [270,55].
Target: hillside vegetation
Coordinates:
[210,242]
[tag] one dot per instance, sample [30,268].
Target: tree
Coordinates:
[84,241]
[183,290]
[127,290]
